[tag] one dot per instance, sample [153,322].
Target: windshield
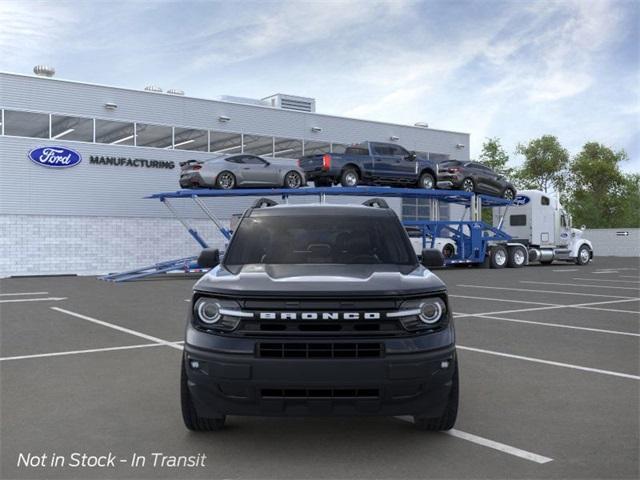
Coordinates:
[320,239]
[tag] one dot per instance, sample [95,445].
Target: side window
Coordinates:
[379,149]
[251,160]
[399,151]
[544,200]
[518,220]
[237,159]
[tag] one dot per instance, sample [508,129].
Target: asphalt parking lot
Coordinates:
[549,371]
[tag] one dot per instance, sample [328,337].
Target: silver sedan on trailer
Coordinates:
[241,170]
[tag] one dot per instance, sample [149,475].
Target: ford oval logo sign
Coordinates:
[521,200]
[55,157]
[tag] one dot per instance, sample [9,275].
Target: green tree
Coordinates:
[544,165]
[494,156]
[599,194]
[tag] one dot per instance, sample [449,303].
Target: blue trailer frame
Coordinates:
[472,237]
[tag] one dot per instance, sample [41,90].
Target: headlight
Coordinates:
[208,310]
[217,314]
[431,311]
[422,314]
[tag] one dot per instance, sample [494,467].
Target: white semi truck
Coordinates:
[537,221]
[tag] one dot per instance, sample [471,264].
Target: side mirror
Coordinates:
[583,228]
[412,156]
[209,258]
[432,257]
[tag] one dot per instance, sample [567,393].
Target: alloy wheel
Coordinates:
[293,180]
[351,179]
[226,181]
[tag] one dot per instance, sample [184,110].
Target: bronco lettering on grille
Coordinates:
[320,316]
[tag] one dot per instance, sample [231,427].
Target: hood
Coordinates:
[320,280]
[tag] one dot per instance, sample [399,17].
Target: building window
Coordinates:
[225,142]
[71,128]
[287,148]
[114,133]
[419,209]
[190,139]
[157,136]
[26,124]
[258,145]
[315,148]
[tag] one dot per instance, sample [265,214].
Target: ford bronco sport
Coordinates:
[319,310]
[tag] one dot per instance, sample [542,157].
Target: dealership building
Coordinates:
[92,217]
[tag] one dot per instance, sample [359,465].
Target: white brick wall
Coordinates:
[43,245]
[608,242]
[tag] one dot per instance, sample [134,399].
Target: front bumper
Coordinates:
[449,181]
[408,379]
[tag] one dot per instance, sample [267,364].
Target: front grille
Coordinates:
[320,350]
[311,393]
[256,327]
[330,327]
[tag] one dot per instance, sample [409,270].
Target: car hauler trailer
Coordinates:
[468,241]
[538,221]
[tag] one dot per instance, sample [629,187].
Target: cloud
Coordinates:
[32,30]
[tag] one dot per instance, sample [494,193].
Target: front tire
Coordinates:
[226,180]
[349,178]
[509,194]
[468,185]
[293,180]
[191,419]
[427,181]
[448,418]
[584,255]
[499,257]
[448,251]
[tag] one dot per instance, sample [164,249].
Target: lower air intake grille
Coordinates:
[320,393]
[320,350]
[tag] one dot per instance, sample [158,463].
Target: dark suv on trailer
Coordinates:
[319,310]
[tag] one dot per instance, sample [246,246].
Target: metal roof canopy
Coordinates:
[449,196]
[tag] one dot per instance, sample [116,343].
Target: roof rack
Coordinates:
[375,202]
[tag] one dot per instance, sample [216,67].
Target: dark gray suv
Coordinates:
[320,310]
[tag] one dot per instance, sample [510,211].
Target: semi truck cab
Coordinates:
[538,221]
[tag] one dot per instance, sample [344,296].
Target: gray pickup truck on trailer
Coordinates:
[319,310]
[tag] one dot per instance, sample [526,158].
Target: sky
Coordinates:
[509,69]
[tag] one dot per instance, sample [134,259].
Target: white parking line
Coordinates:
[604,280]
[581,285]
[118,327]
[90,350]
[529,290]
[628,276]
[546,324]
[503,300]
[549,362]
[23,293]
[552,306]
[485,442]
[566,270]
[20,300]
